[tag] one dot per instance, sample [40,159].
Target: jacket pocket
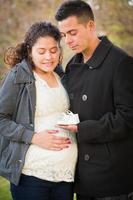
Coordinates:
[7,157]
[28,126]
[3,144]
[96,153]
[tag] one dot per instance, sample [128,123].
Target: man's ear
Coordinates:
[91,25]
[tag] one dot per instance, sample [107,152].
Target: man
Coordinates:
[99,80]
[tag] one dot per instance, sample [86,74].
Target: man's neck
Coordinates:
[89,52]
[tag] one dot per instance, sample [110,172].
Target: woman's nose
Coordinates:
[48,55]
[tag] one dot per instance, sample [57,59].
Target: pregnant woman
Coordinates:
[36,156]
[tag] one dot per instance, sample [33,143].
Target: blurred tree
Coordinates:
[114,18]
[17,15]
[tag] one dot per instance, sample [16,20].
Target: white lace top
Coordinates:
[47,164]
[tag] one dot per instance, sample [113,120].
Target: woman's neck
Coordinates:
[49,77]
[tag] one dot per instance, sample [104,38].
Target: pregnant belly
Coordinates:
[37,155]
[50,123]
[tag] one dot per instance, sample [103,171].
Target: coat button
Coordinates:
[20,161]
[86,157]
[90,67]
[84,97]
[71,96]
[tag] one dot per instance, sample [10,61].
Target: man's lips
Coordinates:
[74,47]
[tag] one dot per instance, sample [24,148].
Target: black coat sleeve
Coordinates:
[113,127]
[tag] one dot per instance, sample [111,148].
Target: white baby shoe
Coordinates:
[68,118]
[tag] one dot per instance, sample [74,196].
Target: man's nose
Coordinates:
[68,40]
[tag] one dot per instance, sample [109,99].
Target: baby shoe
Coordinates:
[68,118]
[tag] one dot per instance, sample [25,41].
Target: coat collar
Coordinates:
[98,56]
[24,73]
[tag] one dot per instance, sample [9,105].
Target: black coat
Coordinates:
[101,92]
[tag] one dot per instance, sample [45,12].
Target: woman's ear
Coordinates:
[61,56]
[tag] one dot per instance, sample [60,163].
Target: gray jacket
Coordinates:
[17,109]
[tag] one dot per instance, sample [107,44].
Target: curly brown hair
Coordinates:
[14,55]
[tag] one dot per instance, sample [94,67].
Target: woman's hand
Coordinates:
[48,140]
[71,127]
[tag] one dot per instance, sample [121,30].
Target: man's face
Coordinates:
[76,35]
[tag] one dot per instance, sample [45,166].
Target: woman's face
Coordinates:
[45,54]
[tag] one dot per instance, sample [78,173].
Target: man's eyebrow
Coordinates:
[68,31]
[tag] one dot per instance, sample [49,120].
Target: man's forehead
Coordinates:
[68,21]
[68,24]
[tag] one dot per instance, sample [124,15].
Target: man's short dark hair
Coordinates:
[77,8]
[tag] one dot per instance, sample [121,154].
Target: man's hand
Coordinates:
[71,127]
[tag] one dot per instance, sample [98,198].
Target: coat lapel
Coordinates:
[32,96]
[24,75]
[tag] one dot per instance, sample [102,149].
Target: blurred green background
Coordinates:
[114,18]
[4,190]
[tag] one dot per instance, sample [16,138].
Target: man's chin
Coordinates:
[76,51]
